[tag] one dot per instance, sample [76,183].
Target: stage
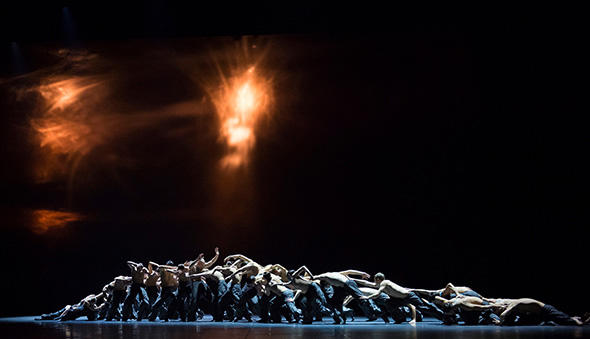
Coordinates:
[27,327]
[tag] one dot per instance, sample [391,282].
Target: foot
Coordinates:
[412,322]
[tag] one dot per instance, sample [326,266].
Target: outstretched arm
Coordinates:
[132,265]
[242,269]
[200,275]
[362,274]
[238,256]
[426,293]
[157,266]
[365,283]
[213,260]
[374,295]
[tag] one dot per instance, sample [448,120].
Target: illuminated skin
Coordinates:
[168,277]
[443,292]
[152,277]
[391,289]
[138,272]
[274,285]
[251,267]
[366,291]
[508,307]
[121,282]
[466,303]
[199,264]
[89,303]
[338,279]
[215,273]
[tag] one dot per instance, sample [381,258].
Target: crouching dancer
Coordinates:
[313,301]
[400,296]
[138,274]
[169,284]
[343,286]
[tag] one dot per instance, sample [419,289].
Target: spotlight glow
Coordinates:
[240,102]
[45,220]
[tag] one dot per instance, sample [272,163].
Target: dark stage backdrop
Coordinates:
[434,154]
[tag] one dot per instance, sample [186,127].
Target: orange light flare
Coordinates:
[240,103]
[45,220]
[64,126]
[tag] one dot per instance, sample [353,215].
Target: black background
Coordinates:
[432,144]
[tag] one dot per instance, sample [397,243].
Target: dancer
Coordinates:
[401,296]
[530,312]
[138,275]
[314,300]
[119,286]
[343,286]
[169,291]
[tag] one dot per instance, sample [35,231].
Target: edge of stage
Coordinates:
[28,327]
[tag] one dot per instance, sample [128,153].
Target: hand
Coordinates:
[217,250]
[201,255]
[365,275]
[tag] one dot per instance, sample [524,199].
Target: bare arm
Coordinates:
[374,295]
[200,275]
[362,274]
[302,269]
[214,259]
[423,292]
[240,257]
[132,265]
[156,265]
[347,300]
[242,269]
[365,283]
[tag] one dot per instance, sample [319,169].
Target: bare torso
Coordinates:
[393,290]
[333,278]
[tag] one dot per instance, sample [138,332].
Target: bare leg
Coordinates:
[413,309]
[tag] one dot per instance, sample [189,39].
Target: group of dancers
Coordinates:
[241,289]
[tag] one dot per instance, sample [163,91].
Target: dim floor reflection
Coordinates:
[26,327]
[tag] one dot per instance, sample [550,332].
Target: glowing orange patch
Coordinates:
[240,102]
[45,220]
[65,128]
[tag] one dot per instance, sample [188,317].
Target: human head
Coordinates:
[379,277]
[170,263]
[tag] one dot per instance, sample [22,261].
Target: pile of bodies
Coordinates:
[242,289]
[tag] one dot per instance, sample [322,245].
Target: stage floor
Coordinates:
[27,327]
